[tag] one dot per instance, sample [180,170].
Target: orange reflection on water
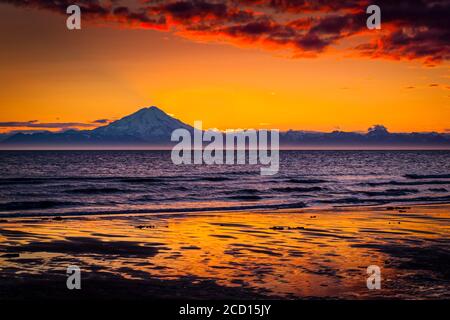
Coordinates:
[300,253]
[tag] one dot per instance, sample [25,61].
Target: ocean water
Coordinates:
[40,183]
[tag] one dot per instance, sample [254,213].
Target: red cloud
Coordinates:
[414,30]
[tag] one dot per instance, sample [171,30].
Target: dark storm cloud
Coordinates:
[187,10]
[96,10]
[299,6]
[89,7]
[411,29]
[418,29]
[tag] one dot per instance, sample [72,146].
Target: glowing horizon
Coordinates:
[109,70]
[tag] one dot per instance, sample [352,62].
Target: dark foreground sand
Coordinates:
[308,253]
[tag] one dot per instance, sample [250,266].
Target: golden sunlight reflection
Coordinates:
[320,253]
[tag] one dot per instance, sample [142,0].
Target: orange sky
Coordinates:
[53,75]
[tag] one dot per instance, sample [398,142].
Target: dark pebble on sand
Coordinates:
[277,228]
[145,227]
[287,228]
[190,248]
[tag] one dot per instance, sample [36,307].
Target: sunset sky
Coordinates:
[232,64]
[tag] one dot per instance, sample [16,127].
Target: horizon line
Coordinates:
[64,128]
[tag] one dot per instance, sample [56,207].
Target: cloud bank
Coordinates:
[411,29]
[46,125]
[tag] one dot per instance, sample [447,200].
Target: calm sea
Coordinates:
[34,183]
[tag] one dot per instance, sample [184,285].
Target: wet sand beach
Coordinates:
[283,254]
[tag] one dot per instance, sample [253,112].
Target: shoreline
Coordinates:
[183,211]
[306,253]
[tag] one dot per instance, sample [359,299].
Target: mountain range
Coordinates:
[152,127]
[148,126]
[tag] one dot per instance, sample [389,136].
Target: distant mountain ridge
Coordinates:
[153,127]
[376,137]
[146,126]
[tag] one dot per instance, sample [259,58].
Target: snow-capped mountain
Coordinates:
[147,126]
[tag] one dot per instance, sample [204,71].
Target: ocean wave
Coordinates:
[39,180]
[294,205]
[354,200]
[390,192]
[305,181]
[427,176]
[33,205]
[406,183]
[212,179]
[142,179]
[13,181]
[297,189]
[144,198]
[245,197]
[97,190]
[349,200]
[438,189]
[244,172]
[247,191]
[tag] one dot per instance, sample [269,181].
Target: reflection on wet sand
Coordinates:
[282,254]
